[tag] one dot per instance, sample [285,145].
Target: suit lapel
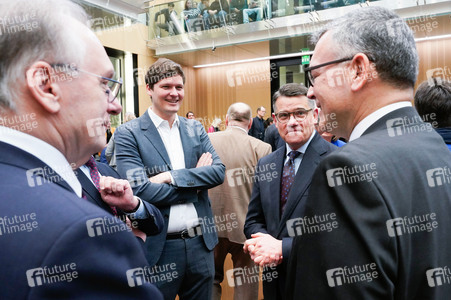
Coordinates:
[186,136]
[152,134]
[310,161]
[275,187]
[90,191]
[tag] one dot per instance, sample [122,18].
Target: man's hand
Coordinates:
[135,230]
[264,249]
[118,193]
[164,177]
[205,160]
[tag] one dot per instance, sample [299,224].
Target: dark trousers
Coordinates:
[194,267]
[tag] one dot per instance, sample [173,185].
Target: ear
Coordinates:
[40,85]
[315,115]
[227,120]
[149,91]
[250,124]
[276,122]
[362,70]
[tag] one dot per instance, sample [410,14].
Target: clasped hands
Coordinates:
[264,249]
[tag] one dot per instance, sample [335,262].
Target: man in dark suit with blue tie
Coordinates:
[277,200]
[171,163]
[55,99]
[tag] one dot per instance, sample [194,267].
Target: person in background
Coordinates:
[191,14]
[230,200]
[214,125]
[218,11]
[324,127]
[433,103]
[190,115]
[167,25]
[237,7]
[254,11]
[110,151]
[258,128]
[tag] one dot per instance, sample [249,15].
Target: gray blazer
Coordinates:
[140,154]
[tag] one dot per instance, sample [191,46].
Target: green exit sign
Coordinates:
[305,60]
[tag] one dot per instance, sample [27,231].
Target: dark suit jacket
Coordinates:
[409,161]
[59,237]
[272,137]
[141,154]
[257,129]
[150,226]
[263,214]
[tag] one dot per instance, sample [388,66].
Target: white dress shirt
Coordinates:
[181,215]
[374,116]
[43,151]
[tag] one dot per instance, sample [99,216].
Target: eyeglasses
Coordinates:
[308,71]
[112,87]
[299,115]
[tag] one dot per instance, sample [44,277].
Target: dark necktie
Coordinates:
[95,176]
[288,174]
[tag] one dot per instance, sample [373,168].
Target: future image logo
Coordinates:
[438,276]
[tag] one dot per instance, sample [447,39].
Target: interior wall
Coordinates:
[435,59]
[132,39]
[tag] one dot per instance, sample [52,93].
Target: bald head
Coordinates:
[239,114]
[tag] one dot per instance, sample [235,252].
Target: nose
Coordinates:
[310,93]
[114,108]
[292,121]
[174,92]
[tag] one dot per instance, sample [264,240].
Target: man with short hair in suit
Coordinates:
[55,97]
[177,155]
[258,127]
[376,222]
[240,153]
[282,184]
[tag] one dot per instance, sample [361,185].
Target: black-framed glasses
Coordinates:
[308,70]
[299,115]
[112,87]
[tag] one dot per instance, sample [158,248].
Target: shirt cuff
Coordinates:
[141,212]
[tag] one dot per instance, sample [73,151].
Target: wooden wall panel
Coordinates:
[434,54]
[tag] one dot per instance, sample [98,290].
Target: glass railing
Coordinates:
[189,16]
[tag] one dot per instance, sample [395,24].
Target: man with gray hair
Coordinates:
[240,153]
[282,181]
[56,92]
[376,221]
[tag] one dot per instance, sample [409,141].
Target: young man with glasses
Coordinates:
[277,200]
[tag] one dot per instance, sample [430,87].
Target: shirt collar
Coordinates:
[303,148]
[238,127]
[157,120]
[374,116]
[43,151]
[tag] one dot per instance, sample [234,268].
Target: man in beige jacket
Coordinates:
[240,153]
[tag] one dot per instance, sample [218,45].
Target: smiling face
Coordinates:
[295,133]
[167,96]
